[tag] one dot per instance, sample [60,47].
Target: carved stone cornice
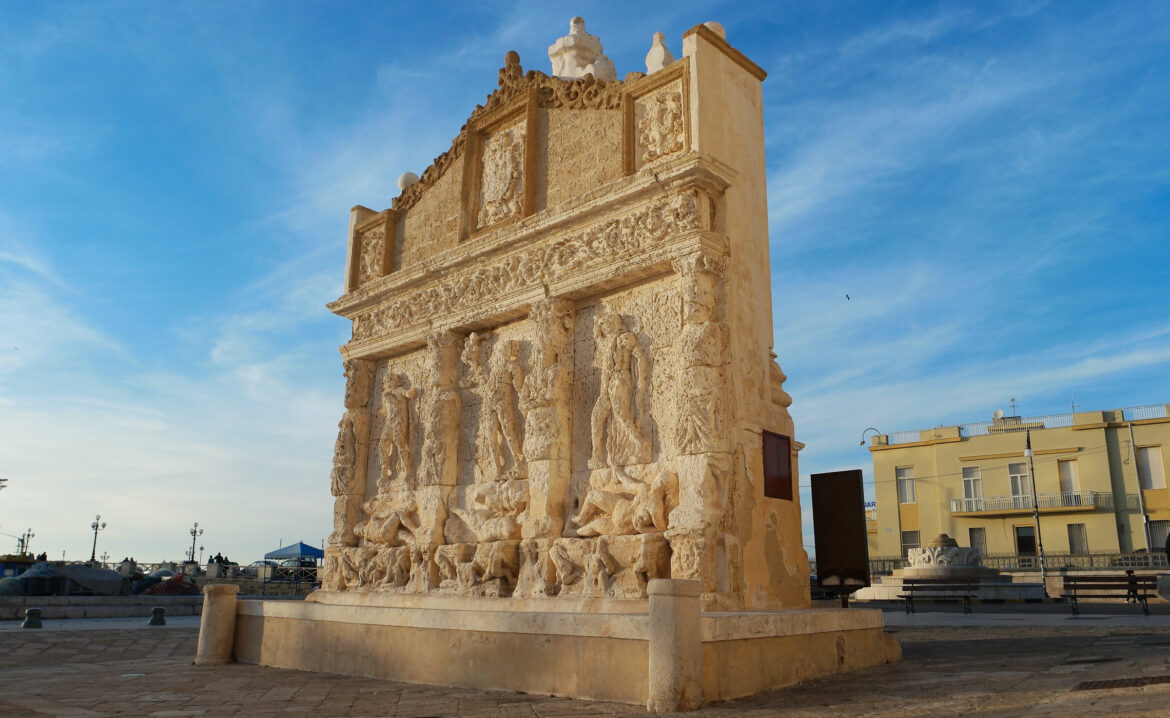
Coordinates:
[691,170]
[586,93]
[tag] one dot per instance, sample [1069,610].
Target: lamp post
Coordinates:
[196,532]
[97,525]
[105,557]
[1036,512]
[200,554]
[875,431]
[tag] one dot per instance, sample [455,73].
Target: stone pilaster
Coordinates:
[545,402]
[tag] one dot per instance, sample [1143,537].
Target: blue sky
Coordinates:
[990,184]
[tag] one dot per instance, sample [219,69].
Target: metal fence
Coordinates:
[1054,562]
[1150,411]
[1049,421]
[1056,500]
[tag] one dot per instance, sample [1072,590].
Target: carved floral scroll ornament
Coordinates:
[502,193]
[586,93]
[944,556]
[614,239]
[660,128]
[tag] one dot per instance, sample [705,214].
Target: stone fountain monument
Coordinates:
[566,463]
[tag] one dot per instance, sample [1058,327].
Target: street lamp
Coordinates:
[1036,512]
[876,431]
[97,525]
[105,557]
[196,532]
[200,554]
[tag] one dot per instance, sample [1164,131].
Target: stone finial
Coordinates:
[579,53]
[716,28]
[406,179]
[659,55]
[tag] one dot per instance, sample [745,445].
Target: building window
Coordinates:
[1070,478]
[1026,540]
[1078,540]
[972,488]
[905,476]
[1021,495]
[1158,532]
[1151,470]
[909,541]
[978,540]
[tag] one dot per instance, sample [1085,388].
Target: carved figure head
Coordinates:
[357,383]
[699,297]
[390,382]
[607,324]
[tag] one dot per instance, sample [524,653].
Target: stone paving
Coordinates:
[978,670]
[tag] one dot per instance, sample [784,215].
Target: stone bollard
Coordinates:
[32,618]
[675,670]
[158,616]
[217,627]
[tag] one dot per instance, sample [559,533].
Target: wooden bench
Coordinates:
[1138,588]
[939,589]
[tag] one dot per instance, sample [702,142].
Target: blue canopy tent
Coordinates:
[298,564]
[296,550]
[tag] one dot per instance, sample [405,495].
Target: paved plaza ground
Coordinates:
[1007,660]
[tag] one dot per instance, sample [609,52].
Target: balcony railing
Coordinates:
[1060,500]
[1031,562]
[1051,421]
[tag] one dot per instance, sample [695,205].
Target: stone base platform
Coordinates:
[660,652]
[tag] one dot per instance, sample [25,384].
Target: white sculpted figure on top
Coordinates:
[620,410]
[580,53]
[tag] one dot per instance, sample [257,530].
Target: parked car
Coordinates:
[297,569]
[254,569]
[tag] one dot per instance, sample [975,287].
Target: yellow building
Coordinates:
[973,482]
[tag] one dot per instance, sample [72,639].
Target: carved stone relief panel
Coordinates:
[659,120]
[372,248]
[348,480]
[630,235]
[701,420]
[501,188]
[624,364]
[395,428]
[493,375]
[439,415]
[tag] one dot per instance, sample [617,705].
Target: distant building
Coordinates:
[972,482]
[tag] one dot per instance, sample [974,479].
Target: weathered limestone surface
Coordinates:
[560,366]
[557,385]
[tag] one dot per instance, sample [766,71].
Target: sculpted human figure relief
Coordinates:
[617,504]
[347,480]
[700,421]
[620,409]
[440,413]
[504,383]
[353,429]
[397,430]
